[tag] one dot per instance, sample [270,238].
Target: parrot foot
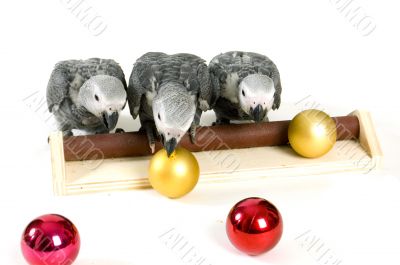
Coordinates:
[102,132]
[192,133]
[68,133]
[119,130]
[203,105]
[152,134]
[221,121]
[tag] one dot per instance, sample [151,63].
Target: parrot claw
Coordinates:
[152,147]
[119,130]
[151,133]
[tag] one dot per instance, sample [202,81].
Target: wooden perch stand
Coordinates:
[107,162]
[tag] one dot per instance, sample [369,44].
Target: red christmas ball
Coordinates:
[254,226]
[49,240]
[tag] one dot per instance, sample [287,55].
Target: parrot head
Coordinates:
[104,96]
[256,95]
[173,112]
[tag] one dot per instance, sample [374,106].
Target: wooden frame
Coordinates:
[75,177]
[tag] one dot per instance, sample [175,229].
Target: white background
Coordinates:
[320,55]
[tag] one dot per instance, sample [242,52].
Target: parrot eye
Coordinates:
[96,97]
[243,93]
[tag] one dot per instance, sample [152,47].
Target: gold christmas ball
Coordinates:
[176,175]
[312,133]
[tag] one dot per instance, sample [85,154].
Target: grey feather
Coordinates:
[155,71]
[228,70]
[154,68]
[64,86]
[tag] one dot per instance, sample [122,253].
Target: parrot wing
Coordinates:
[145,77]
[58,87]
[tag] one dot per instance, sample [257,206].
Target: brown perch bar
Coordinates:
[218,137]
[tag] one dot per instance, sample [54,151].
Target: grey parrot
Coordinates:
[249,86]
[169,93]
[86,95]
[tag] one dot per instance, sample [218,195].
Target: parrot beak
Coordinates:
[258,113]
[170,146]
[110,120]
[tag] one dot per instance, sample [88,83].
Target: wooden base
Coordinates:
[75,177]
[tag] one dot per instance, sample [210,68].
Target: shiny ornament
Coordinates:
[176,175]
[50,240]
[312,133]
[254,226]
